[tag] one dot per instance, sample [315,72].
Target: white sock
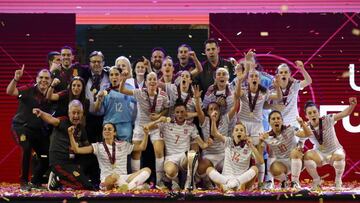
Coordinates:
[261,168]
[281,177]
[295,169]
[135,165]
[246,177]
[310,166]
[215,176]
[159,167]
[139,179]
[339,169]
[270,177]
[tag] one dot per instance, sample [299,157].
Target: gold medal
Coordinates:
[94,91]
[252,115]
[168,119]
[75,72]
[105,92]
[113,166]
[321,147]
[76,174]
[23,138]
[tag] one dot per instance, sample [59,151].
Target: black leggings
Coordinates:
[72,176]
[30,139]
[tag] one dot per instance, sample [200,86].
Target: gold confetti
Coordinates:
[312,65]
[264,34]
[345,74]
[355,32]
[2,23]
[325,176]
[305,92]
[321,200]
[239,33]
[286,196]
[190,36]
[354,197]
[6,199]
[356,114]
[278,197]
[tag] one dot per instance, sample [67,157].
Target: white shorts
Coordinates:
[120,181]
[139,135]
[217,160]
[254,130]
[325,157]
[177,159]
[286,162]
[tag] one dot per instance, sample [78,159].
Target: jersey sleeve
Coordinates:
[95,148]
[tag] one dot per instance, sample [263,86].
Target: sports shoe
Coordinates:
[25,187]
[208,184]
[175,186]
[284,184]
[37,187]
[161,186]
[53,182]
[338,185]
[316,185]
[267,185]
[295,185]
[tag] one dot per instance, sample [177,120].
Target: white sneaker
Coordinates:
[338,185]
[175,186]
[316,185]
[53,182]
[295,185]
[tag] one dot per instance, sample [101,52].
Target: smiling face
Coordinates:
[156,59]
[43,80]
[109,131]
[96,64]
[276,121]
[239,133]
[66,57]
[76,87]
[124,65]
[151,81]
[140,68]
[312,114]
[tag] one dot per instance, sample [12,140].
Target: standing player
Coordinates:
[177,135]
[152,103]
[327,149]
[253,98]
[282,144]
[237,173]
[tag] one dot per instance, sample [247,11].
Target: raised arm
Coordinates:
[197,95]
[46,117]
[144,141]
[307,79]
[147,65]
[348,110]
[198,67]
[278,94]
[75,146]
[258,156]
[11,89]
[214,130]
[153,124]
[306,131]
[99,100]
[236,98]
[50,95]
[122,88]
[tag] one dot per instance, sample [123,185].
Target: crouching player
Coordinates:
[282,143]
[239,150]
[177,135]
[327,149]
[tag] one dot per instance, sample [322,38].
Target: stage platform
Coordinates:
[350,193]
